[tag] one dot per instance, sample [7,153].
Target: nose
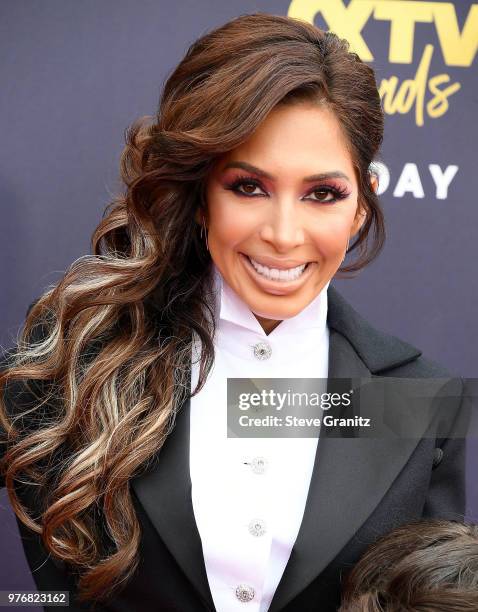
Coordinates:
[284,227]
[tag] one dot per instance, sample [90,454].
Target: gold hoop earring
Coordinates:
[204,232]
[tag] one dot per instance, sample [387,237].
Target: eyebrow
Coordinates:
[308,179]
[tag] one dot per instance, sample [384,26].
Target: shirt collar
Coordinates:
[231,308]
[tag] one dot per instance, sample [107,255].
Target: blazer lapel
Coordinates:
[165,493]
[346,484]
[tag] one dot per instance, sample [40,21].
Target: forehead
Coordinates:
[303,138]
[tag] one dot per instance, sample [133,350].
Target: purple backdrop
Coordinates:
[75,74]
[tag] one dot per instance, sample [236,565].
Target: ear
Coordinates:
[374,182]
[360,218]
[361,214]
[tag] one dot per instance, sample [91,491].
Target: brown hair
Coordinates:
[426,566]
[106,352]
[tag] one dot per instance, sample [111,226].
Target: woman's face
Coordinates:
[264,204]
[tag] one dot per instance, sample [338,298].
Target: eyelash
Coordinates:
[339,193]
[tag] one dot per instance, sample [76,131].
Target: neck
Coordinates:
[267,324]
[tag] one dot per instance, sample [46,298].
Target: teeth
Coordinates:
[276,274]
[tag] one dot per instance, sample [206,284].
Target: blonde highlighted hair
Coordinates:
[91,390]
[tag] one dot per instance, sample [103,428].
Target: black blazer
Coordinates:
[359,490]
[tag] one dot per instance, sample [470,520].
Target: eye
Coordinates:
[248,185]
[323,191]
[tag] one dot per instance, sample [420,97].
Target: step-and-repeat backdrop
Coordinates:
[75,74]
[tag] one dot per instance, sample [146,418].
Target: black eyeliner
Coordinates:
[338,193]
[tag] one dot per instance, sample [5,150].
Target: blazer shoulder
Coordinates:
[421,367]
[383,353]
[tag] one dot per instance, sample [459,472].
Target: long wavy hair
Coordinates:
[424,566]
[105,353]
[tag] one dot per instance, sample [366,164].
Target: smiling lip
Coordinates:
[279,264]
[276,287]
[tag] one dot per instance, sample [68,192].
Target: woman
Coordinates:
[241,199]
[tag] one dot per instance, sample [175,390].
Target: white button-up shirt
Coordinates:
[249,494]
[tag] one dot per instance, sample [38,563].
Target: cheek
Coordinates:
[226,231]
[330,236]
[229,224]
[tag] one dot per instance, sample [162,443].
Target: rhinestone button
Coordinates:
[244,592]
[259,465]
[262,350]
[257,527]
